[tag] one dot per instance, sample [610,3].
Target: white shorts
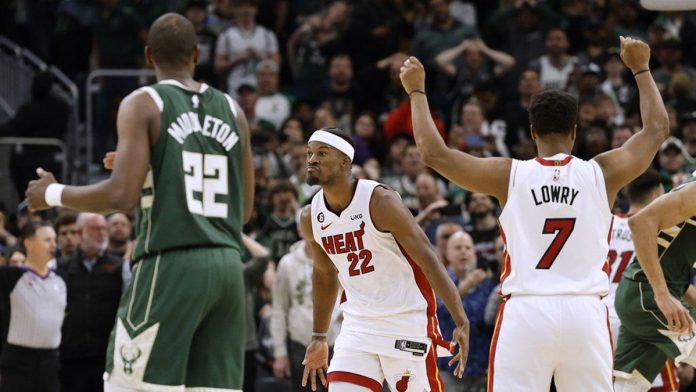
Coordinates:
[540,337]
[353,363]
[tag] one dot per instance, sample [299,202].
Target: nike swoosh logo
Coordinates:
[325,227]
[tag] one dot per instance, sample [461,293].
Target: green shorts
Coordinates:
[180,323]
[644,340]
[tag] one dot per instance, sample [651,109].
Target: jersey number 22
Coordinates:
[196,166]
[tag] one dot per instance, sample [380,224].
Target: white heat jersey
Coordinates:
[621,254]
[385,292]
[555,225]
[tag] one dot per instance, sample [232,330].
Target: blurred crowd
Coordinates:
[296,66]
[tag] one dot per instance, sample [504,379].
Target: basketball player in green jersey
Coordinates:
[655,324]
[184,162]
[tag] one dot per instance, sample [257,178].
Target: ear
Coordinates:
[196,54]
[574,133]
[532,132]
[27,243]
[148,57]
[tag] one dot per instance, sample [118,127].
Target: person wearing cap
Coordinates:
[272,106]
[675,163]
[242,46]
[587,82]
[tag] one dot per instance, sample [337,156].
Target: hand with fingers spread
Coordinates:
[635,54]
[36,191]
[460,337]
[316,362]
[412,75]
[678,318]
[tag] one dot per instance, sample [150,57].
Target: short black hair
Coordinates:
[172,39]
[65,220]
[639,190]
[340,133]
[553,111]
[29,230]
[282,186]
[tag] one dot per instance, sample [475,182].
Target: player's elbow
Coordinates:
[659,125]
[435,157]
[121,200]
[636,222]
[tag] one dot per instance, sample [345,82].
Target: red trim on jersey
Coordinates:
[506,267]
[611,339]
[434,379]
[356,379]
[343,297]
[429,295]
[670,381]
[607,267]
[494,344]
[549,162]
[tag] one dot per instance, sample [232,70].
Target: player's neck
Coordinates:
[549,148]
[339,195]
[634,209]
[183,77]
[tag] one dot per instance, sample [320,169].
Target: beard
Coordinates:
[312,179]
[118,242]
[479,214]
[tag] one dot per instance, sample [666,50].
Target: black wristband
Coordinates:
[640,72]
[416,91]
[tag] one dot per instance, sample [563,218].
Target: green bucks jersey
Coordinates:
[193,193]
[677,253]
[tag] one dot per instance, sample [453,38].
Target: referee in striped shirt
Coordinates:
[36,297]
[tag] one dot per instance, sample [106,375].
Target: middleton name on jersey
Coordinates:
[213,128]
[555,194]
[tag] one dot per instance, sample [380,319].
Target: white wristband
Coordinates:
[53,195]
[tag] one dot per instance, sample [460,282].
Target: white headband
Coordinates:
[334,141]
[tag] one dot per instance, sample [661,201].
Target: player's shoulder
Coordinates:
[145,99]
[381,191]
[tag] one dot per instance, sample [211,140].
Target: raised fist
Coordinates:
[635,54]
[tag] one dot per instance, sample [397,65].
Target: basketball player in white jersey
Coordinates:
[643,190]
[386,267]
[555,222]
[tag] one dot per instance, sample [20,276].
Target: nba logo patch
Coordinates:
[402,380]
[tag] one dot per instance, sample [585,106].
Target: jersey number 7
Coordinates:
[562,227]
